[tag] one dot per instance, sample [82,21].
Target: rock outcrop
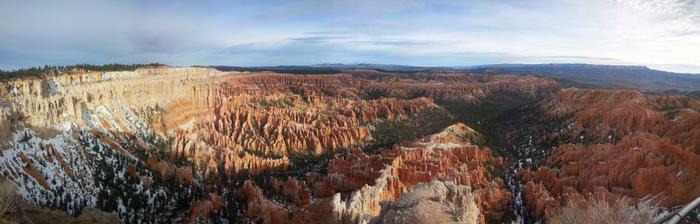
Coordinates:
[445,156]
[358,184]
[263,210]
[435,202]
[203,209]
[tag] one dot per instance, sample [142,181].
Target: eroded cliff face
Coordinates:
[69,140]
[445,156]
[179,142]
[258,121]
[363,182]
[618,144]
[75,98]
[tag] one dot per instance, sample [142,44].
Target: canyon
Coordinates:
[164,144]
[639,146]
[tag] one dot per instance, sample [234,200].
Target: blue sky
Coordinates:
[662,34]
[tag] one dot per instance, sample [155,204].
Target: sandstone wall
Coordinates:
[50,101]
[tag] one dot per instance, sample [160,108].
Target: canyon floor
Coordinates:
[164,144]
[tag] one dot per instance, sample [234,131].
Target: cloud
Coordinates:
[320,38]
[339,8]
[682,16]
[677,68]
[678,9]
[415,32]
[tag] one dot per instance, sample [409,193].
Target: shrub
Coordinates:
[600,211]
[8,196]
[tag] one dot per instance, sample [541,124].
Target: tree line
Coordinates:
[48,70]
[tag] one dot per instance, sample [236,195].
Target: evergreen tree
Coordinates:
[48,70]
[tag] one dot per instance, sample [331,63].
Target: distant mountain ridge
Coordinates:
[602,76]
[328,68]
[610,76]
[570,65]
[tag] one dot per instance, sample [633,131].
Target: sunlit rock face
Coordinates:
[68,141]
[369,181]
[445,156]
[260,120]
[435,202]
[620,144]
[181,142]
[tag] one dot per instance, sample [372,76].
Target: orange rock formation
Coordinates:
[446,156]
[627,144]
[183,124]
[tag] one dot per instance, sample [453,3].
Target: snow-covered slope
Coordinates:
[68,142]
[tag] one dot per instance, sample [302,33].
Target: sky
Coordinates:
[661,34]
